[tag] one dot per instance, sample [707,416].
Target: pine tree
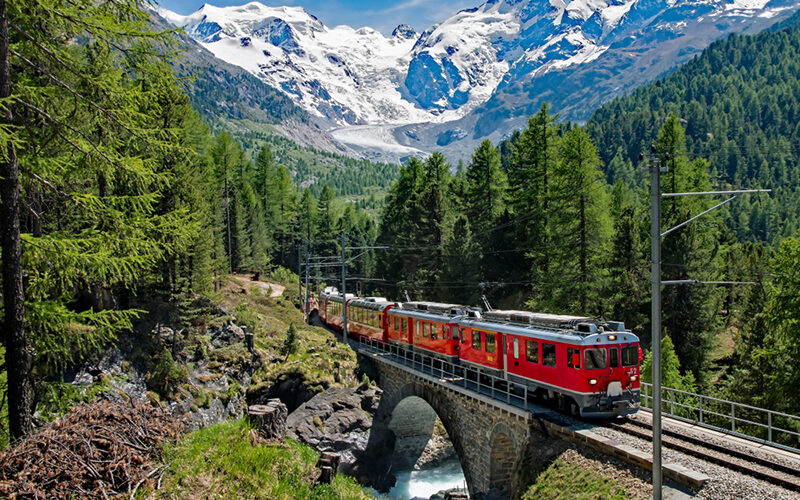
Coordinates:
[308,215]
[290,343]
[627,292]
[326,223]
[483,199]
[433,211]
[400,226]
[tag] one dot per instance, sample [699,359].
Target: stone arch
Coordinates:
[503,457]
[384,438]
[412,423]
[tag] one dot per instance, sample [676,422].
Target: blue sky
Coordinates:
[383,15]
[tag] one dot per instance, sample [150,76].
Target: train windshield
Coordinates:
[595,359]
[630,356]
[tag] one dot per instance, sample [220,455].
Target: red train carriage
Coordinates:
[482,345]
[429,327]
[588,366]
[331,308]
[366,317]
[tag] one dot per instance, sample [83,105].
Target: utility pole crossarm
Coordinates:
[735,193]
[711,193]
[698,215]
[700,282]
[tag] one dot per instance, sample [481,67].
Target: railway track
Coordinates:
[746,463]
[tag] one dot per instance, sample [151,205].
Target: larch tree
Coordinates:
[578,231]
[484,198]
[83,168]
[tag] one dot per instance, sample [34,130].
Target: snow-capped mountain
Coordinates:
[476,74]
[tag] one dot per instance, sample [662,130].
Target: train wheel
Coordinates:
[573,409]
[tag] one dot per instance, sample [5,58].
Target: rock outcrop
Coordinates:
[337,420]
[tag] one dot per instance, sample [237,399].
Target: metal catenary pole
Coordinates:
[655,335]
[307,308]
[344,294]
[655,242]
[300,273]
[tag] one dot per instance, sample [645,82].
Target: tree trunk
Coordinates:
[19,357]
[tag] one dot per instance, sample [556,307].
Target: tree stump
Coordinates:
[328,464]
[269,419]
[326,475]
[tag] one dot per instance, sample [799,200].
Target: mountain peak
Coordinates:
[404,31]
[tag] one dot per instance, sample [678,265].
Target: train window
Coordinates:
[595,359]
[476,340]
[419,327]
[516,348]
[613,357]
[426,330]
[463,332]
[396,325]
[630,356]
[532,351]
[573,357]
[490,342]
[548,354]
[434,331]
[454,331]
[403,324]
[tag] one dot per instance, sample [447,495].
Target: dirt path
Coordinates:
[273,289]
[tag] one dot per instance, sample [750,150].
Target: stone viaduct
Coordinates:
[492,439]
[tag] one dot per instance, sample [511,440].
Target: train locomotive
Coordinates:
[586,366]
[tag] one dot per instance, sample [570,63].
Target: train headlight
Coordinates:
[634,378]
[592,381]
[612,337]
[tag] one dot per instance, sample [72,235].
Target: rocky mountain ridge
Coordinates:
[475,75]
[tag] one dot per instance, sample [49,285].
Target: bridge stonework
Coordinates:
[492,441]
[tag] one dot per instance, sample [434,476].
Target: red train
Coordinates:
[587,366]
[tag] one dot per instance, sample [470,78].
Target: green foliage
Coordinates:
[769,345]
[245,316]
[671,377]
[56,398]
[164,375]
[290,344]
[690,313]
[578,231]
[235,465]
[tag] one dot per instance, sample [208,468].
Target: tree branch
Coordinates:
[59,122]
[91,103]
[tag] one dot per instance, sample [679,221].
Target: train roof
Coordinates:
[336,296]
[556,327]
[438,308]
[372,303]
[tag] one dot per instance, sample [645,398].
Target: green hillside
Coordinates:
[739,102]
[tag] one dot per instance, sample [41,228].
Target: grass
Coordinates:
[569,481]
[320,361]
[227,461]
